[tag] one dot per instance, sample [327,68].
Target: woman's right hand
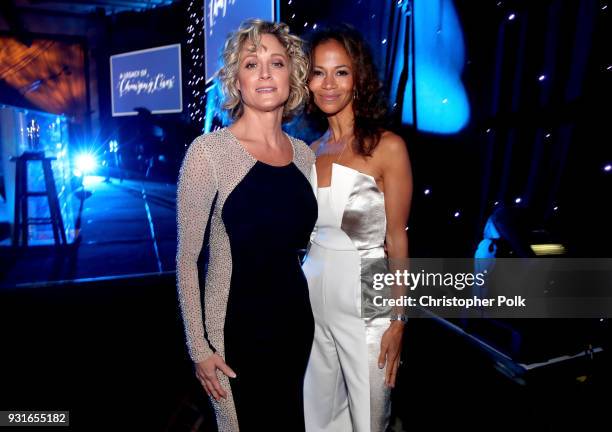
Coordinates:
[206,372]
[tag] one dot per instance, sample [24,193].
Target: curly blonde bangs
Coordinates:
[252,30]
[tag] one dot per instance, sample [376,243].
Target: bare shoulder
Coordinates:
[391,142]
[391,147]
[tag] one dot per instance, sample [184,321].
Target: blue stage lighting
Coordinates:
[442,103]
[85,163]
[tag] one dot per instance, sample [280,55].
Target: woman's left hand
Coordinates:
[390,350]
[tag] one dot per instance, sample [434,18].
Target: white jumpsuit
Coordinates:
[344,389]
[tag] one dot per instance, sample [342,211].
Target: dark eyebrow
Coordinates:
[336,67]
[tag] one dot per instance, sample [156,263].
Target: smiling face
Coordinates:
[263,75]
[332,78]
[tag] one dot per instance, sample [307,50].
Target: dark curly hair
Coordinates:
[370,105]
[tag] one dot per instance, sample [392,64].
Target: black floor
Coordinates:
[112,354]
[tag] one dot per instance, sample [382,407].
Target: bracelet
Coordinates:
[399,317]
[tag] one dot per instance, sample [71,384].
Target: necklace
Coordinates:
[346,141]
[342,152]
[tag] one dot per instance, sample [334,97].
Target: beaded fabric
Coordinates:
[214,165]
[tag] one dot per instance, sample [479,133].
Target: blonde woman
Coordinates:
[248,322]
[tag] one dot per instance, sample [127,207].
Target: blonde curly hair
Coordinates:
[251,30]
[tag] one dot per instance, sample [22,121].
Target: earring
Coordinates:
[355,94]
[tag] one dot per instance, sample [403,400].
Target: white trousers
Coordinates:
[344,389]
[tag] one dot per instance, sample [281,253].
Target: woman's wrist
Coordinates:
[399,317]
[399,324]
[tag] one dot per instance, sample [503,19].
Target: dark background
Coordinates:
[108,346]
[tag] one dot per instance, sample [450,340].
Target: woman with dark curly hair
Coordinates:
[363,183]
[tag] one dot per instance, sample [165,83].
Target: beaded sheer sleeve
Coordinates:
[217,167]
[197,189]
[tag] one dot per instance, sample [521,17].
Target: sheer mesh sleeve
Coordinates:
[197,188]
